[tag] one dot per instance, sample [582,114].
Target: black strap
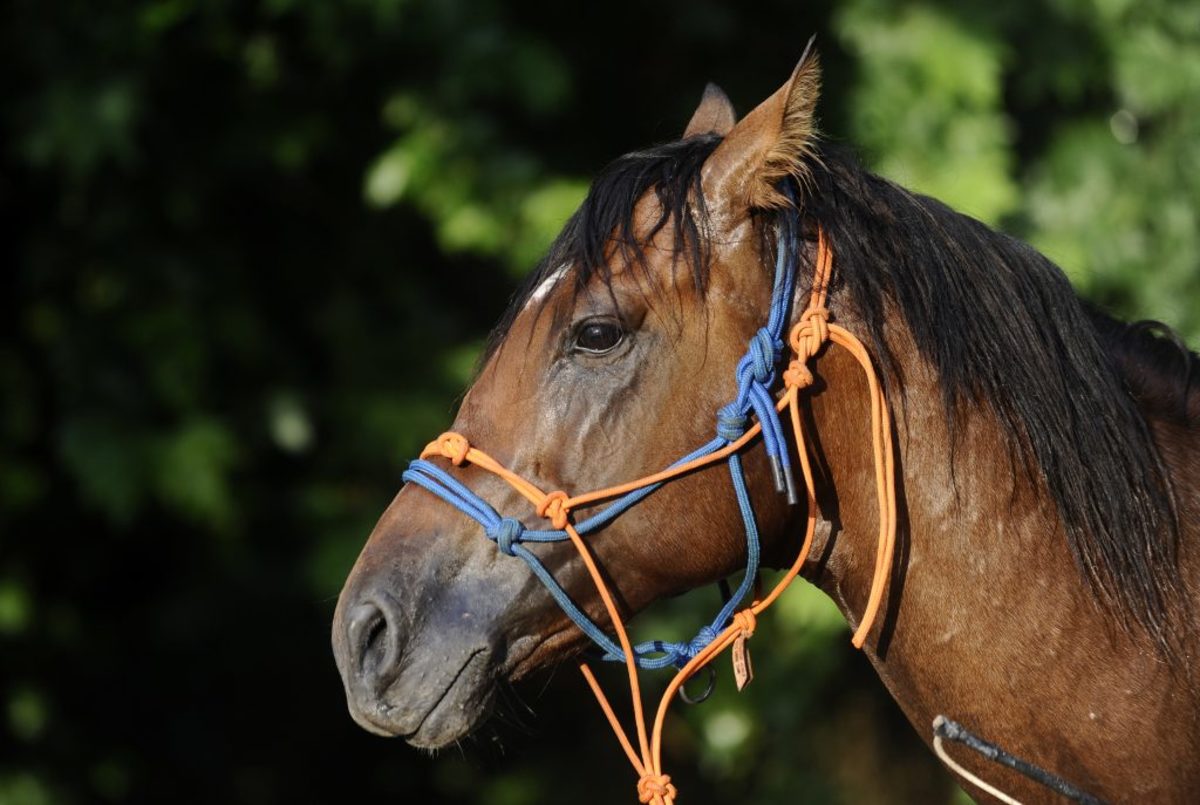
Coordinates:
[953,731]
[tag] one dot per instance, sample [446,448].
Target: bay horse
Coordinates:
[1046,465]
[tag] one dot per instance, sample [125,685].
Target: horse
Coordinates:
[1046,469]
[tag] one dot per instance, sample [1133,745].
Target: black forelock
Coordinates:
[604,232]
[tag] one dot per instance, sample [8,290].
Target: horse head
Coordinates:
[1039,503]
[612,362]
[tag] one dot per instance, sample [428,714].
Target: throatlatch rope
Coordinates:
[756,376]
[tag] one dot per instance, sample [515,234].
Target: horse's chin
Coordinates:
[429,714]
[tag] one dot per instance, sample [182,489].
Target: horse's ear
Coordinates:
[768,144]
[714,115]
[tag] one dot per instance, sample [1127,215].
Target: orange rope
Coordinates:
[806,339]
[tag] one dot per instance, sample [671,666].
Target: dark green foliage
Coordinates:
[252,251]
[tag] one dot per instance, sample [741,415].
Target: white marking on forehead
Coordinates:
[547,285]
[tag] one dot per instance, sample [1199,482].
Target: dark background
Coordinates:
[251,252]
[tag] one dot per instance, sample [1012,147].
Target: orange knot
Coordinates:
[819,317]
[653,786]
[810,332]
[745,621]
[451,445]
[552,509]
[797,375]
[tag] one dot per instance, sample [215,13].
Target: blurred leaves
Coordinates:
[480,197]
[192,471]
[26,713]
[15,607]
[1112,200]
[928,105]
[186,469]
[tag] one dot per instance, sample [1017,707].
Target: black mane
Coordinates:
[1004,329]
[1161,372]
[999,323]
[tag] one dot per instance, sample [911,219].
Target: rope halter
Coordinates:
[736,621]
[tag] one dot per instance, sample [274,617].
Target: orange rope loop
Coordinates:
[554,508]
[453,446]
[811,331]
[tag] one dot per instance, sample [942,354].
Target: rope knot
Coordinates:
[553,509]
[706,635]
[506,533]
[810,332]
[730,427]
[652,786]
[763,351]
[451,445]
[818,317]
[798,375]
[745,620]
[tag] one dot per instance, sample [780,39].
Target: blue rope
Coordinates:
[678,654]
[755,374]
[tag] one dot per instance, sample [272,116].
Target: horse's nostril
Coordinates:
[374,643]
[366,623]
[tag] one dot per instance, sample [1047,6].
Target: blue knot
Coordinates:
[730,427]
[506,533]
[706,635]
[764,354]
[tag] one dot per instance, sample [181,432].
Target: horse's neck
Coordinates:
[987,620]
[1179,446]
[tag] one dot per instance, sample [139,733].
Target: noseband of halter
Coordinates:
[756,374]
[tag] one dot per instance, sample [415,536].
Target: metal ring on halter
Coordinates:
[708,689]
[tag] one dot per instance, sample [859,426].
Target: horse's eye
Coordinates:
[598,337]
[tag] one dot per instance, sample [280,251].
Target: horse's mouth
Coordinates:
[431,718]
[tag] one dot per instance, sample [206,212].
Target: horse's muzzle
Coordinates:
[427,685]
